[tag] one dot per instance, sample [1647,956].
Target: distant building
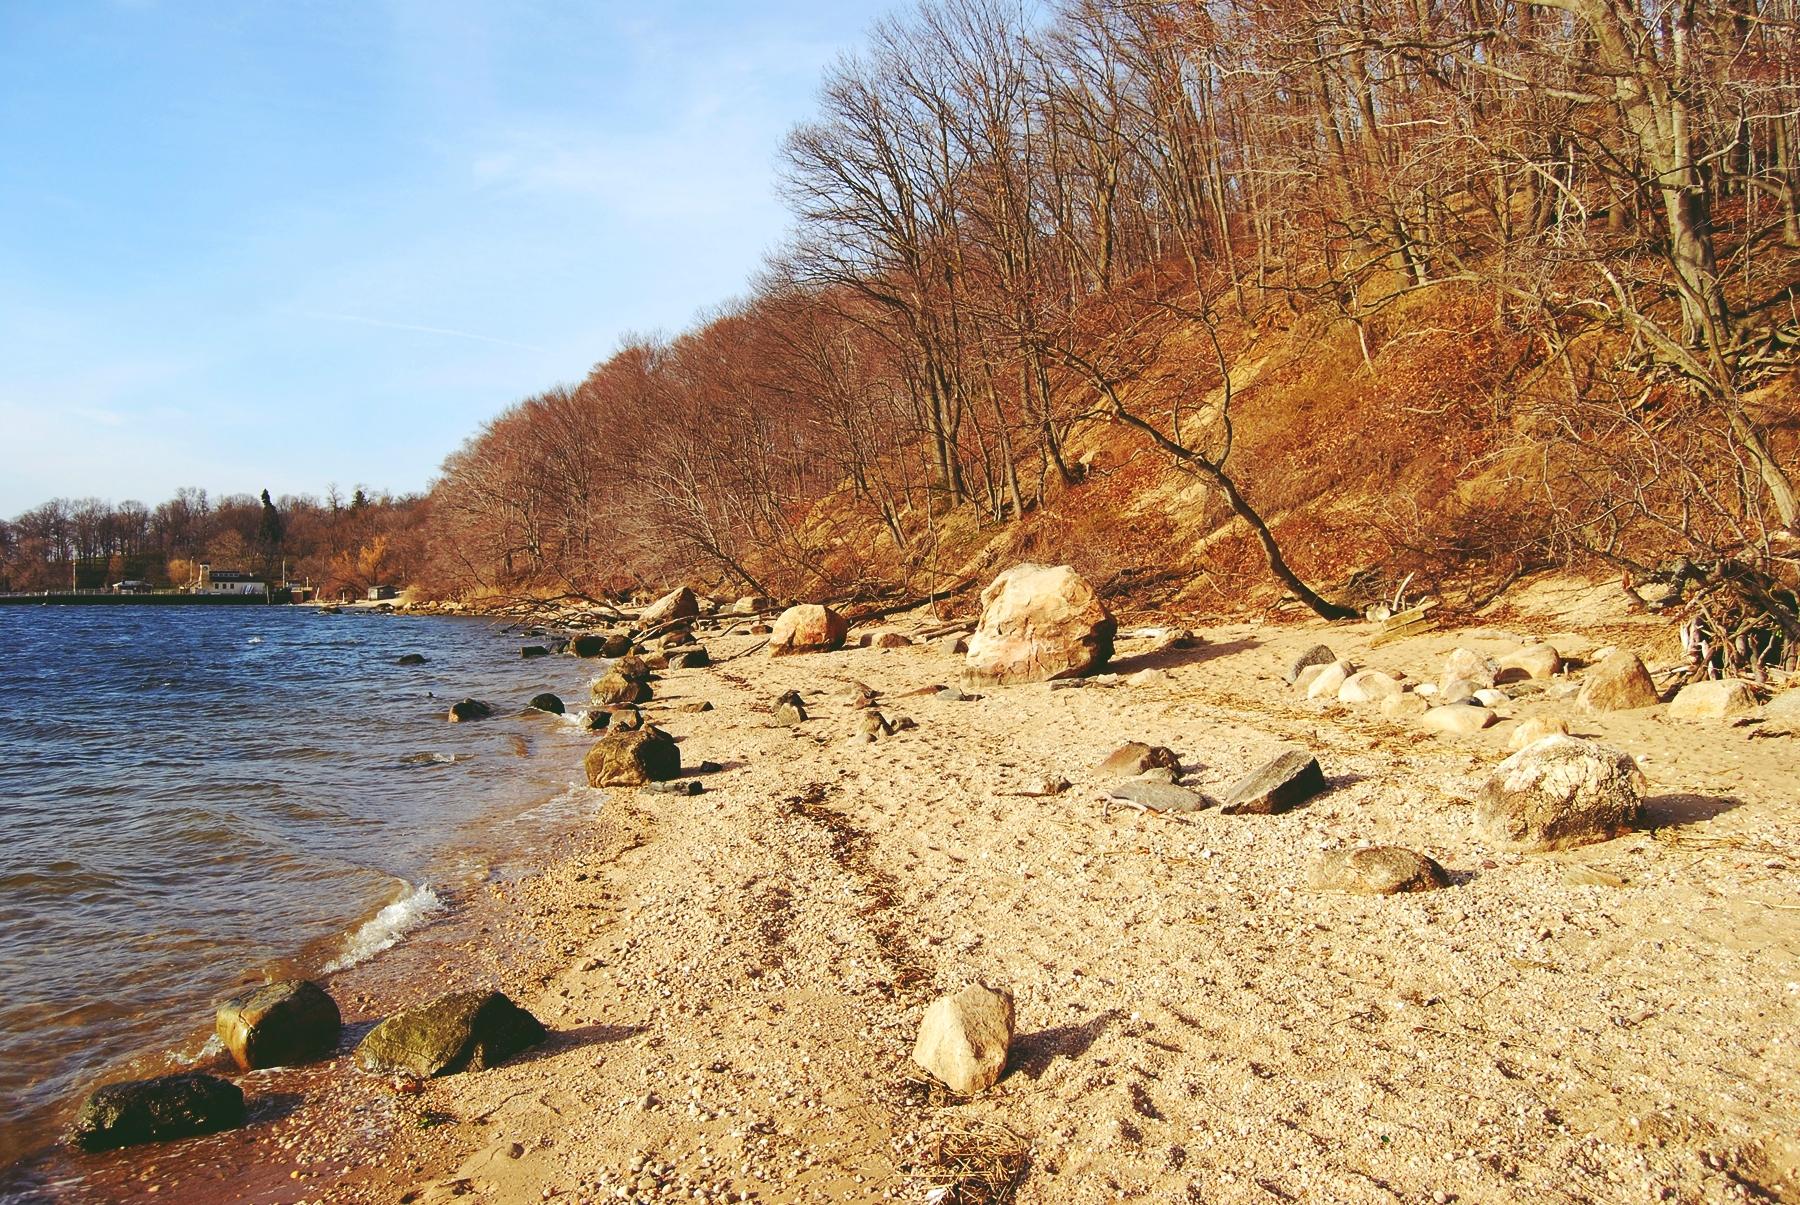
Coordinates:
[227,581]
[131,587]
[377,593]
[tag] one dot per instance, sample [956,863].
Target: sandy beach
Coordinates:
[734,979]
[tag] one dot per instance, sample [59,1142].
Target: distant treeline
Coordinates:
[1007,230]
[335,542]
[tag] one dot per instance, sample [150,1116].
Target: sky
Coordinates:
[250,245]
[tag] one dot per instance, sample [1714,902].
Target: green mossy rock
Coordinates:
[463,1031]
[157,1110]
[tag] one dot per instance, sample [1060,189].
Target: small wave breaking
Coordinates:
[384,930]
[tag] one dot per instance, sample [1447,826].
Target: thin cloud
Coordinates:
[382,323]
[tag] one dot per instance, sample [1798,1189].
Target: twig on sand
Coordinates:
[742,653]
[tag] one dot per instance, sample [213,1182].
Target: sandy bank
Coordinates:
[734,979]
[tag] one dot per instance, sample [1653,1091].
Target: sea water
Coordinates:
[194,797]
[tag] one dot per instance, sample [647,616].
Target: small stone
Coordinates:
[1467,665]
[1492,697]
[875,725]
[1718,700]
[893,640]
[1376,870]
[790,709]
[410,659]
[546,702]
[680,786]
[1145,677]
[1456,719]
[964,1038]
[700,706]
[1303,682]
[615,689]
[1457,690]
[1136,757]
[1276,786]
[534,650]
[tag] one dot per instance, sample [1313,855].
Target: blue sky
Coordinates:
[248,245]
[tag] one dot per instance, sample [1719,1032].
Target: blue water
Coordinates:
[193,796]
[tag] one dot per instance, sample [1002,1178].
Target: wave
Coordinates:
[434,759]
[255,640]
[385,929]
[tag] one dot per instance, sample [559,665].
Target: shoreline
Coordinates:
[733,980]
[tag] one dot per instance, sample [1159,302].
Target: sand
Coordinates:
[734,979]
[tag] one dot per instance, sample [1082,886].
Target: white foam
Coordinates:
[256,640]
[385,929]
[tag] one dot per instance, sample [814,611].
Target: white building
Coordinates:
[227,581]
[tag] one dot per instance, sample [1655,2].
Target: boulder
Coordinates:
[964,1038]
[808,628]
[461,1031]
[1784,708]
[675,605]
[1303,682]
[695,657]
[1157,796]
[1559,791]
[632,668]
[596,719]
[1408,706]
[587,644]
[750,604]
[157,1110]
[1534,661]
[546,702]
[1318,654]
[1275,786]
[1717,700]
[1136,757]
[1376,870]
[1467,665]
[534,650]
[625,719]
[469,709]
[616,644]
[410,659]
[1457,690]
[1038,623]
[893,640]
[790,709]
[1456,719]
[676,639]
[1328,681]
[1619,683]
[615,690]
[1534,730]
[628,758]
[1368,686]
[279,1025]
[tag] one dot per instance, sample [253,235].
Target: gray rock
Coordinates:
[1376,870]
[410,659]
[534,650]
[546,702]
[462,1031]
[695,657]
[1157,796]
[790,709]
[1318,654]
[279,1025]
[680,786]
[157,1110]
[1275,786]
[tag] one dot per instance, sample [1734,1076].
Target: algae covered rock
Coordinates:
[461,1031]
[632,758]
[157,1110]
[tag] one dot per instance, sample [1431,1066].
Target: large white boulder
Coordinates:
[1038,623]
